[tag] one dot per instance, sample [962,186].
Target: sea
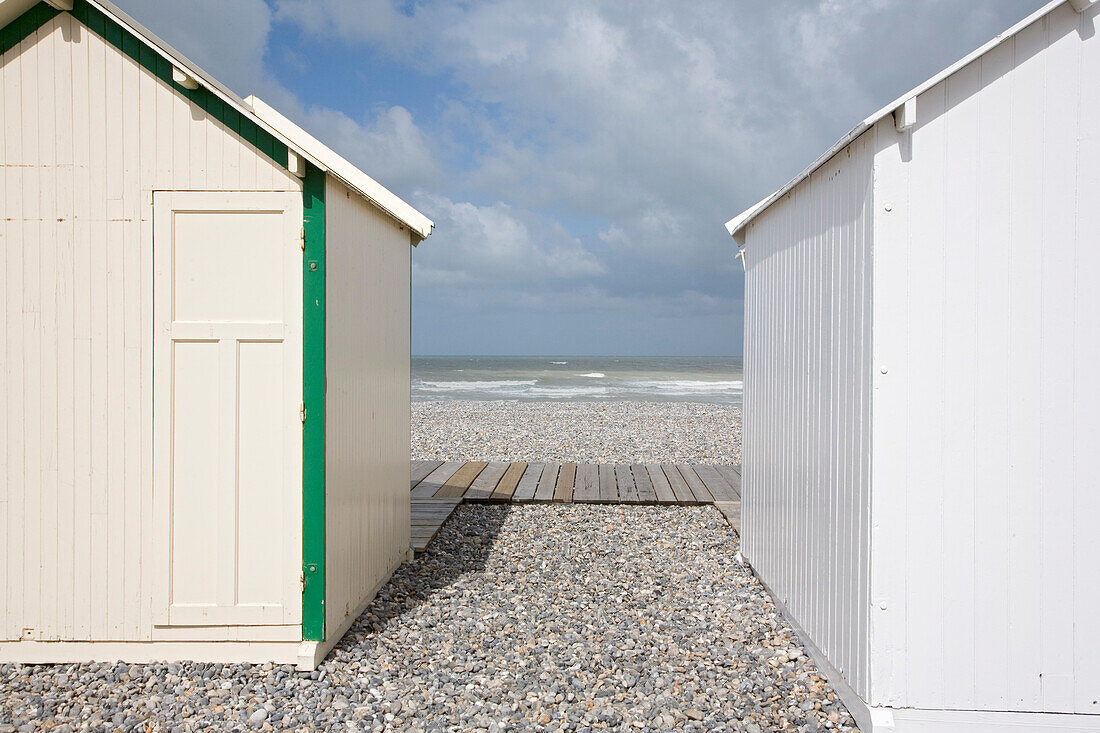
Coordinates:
[578,378]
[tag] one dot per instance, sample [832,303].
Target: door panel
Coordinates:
[227,392]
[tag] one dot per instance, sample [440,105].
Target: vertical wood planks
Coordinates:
[609,488]
[420,471]
[732,477]
[661,486]
[457,484]
[698,489]
[367,404]
[628,490]
[806,370]
[680,490]
[563,489]
[87,134]
[547,483]
[483,486]
[508,482]
[646,492]
[717,485]
[528,483]
[588,483]
[434,481]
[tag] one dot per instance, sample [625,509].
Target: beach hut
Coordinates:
[922,417]
[204,359]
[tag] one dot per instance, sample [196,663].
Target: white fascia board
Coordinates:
[332,163]
[739,222]
[735,226]
[60,4]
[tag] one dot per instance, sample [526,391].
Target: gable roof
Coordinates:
[18,17]
[736,226]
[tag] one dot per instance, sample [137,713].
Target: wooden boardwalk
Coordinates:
[438,487]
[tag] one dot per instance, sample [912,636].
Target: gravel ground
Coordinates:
[516,618]
[602,432]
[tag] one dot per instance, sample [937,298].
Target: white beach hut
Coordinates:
[204,355]
[922,417]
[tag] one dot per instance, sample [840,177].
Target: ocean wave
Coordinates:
[593,375]
[559,362]
[488,385]
[683,387]
[565,393]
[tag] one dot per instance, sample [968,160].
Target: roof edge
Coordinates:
[285,131]
[736,225]
[337,166]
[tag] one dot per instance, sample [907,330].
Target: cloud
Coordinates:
[388,144]
[585,154]
[498,245]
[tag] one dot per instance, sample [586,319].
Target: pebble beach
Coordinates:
[596,432]
[517,617]
[541,617]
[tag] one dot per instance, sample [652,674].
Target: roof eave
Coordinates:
[736,226]
[343,170]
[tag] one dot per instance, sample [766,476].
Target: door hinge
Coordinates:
[302,581]
[302,412]
[302,236]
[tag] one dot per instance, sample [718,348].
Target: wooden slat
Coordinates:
[680,488]
[609,488]
[528,483]
[732,476]
[420,470]
[661,486]
[563,490]
[588,483]
[435,480]
[457,484]
[719,488]
[628,492]
[486,482]
[508,482]
[646,492]
[698,488]
[545,490]
[426,517]
[731,510]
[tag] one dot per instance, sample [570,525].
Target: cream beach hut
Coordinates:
[922,418]
[204,355]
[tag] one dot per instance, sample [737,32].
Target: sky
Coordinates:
[578,158]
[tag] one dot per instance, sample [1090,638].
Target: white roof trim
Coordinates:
[335,165]
[286,132]
[736,225]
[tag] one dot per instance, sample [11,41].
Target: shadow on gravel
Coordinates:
[461,547]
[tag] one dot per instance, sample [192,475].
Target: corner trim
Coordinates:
[313,399]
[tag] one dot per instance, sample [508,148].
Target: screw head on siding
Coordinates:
[882,605]
[883,369]
[889,207]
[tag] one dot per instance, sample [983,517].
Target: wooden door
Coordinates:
[227,376]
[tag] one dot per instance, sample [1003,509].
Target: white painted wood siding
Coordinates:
[987,422]
[367,400]
[86,136]
[807,404]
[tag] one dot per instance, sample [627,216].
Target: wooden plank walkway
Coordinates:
[437,487]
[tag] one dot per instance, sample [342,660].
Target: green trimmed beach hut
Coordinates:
[204,359]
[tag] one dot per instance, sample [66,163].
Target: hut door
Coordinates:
[227,374]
